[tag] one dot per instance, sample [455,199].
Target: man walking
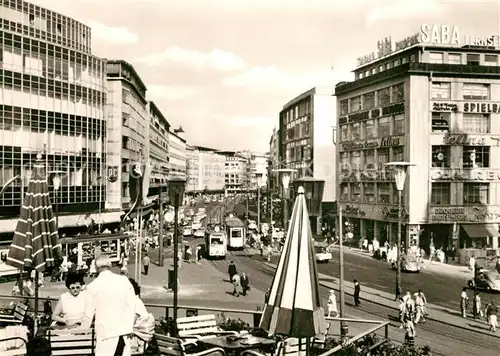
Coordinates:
[245,283]
[357,290]
[231,270]
[146,261]
[112,301]
[491,313]
[236,285]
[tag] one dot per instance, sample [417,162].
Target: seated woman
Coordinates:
[70,309]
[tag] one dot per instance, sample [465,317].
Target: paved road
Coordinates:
[442,338]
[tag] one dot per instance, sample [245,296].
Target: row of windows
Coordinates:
[298,128]
[463,58]
[356,160]
[473,193]
[369,129]
[472,156]
[441,122]
[65,195]
[300,153]
[381,97]
[383,193]
[301,109]
[470,91]
[87,162]
[381,67]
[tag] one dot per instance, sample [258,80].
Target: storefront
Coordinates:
[87,247]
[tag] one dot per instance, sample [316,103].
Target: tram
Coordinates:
[236,233]
[215,244]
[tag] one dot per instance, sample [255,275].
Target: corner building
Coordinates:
[436,105]
[52,97]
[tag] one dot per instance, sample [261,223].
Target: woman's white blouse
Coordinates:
[73,308]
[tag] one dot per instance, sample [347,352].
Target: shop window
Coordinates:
[344,191]
[441,121]
[384,193]
[476,123]
[355,104]
[384,127]
[369,159]
[384,96]
[370,129]
[490,60]
[399,124]
[398,93]
[355,191]
[476,193]
[356,131]
[344,132]
[473,59]
[369,100]
[344,107]
[355,160]
[344,161]
[440,156]
[440,193]
[476,91]
[476,156]
[441,90]
[369,192]
[382,158]
[436,57]
[398,154]
[454,58]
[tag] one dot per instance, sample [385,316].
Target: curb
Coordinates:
[323,284]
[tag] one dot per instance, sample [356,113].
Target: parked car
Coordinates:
[409,263]
[322,255]
[486,280]
[187,232]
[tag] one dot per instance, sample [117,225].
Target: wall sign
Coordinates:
[464,214]
[384,142]
[466,175]
[453,107]
[482,108]
[463,140]
[392,109]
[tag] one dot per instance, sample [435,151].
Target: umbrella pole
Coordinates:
[36,304]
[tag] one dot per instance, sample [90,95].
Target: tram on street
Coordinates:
[236,232]
[215,244]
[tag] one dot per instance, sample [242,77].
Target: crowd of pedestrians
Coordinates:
[412,310]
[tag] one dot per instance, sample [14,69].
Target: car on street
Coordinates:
[487,280]
[196,225]
[199,233]
[187,232]
[322,255]
[409,263]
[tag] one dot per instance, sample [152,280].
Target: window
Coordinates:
[344,132]
[476,91]
[369,192]
[476,123]
[355,104]
[355,191]
[355,160]
[356,131]
[440,193]
[384,193]
[399,124]
[436,57]
[370,159]
[441,90]
[398,154]
[369,100]
[476,193]
[370,131]
[473,59]
[383,158]
[490,59]
[384,96]
[398,93]
[344,107]
[440,156]
[344,161]
[454,58]
[384,127]
[441,121]
[476,157]
[344,191]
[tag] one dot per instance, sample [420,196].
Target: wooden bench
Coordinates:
[15,351]
[76,342]
[202,326]
[172,346]
[18,316]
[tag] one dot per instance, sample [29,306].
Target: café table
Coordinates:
[238,345]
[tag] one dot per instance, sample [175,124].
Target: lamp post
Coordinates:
[176,188]
[286,175]
[400,169]
[160,221]
[313,189]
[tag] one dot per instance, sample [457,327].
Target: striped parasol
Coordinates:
[36,242]
[294,306]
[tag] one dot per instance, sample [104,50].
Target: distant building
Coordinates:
[158,150]
[177,155]
[258,169]
[192,169]
[274,159]
[235,172]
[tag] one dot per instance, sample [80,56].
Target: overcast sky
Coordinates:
[223,69]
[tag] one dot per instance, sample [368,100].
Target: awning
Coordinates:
[481,230]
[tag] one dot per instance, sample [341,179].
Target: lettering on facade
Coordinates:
[463,140]
[112,174]
[393,109]
[384,142]
[439,34]
[384,47]
[407,42]
[360,116]
[373,113]
[464,214]
[482,108]
[366,58]
[453,107]
[465,175]
[343,120]
[448,214]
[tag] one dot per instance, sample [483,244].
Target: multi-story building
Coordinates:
[208,176]
[177,155]
[158,147]
[258,169]
[128,131]
[305,139]
[432,99]
[192,169]
[52,102]
[235,168]
[274,159]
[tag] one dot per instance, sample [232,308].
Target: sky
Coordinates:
[223,69]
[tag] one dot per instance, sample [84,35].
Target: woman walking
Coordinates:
[464,302]
[332,304]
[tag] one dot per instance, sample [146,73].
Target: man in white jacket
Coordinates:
[111,299]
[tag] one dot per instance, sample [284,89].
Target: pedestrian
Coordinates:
[420,303]
[266,296]
[357,290]
[409,306]
[245,283]
[477,306]
[197,252]
[146,261]
[491,313]
[92,269]
[236,284]
[472,263]
[189,254]
[231,270]
[410,332]
[464,302]
[332,304]
[402,311]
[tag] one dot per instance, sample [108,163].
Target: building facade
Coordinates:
[305,139]
[274,160]
[235,168]
[158,147]
[258,169]
[433,101]
[192,169]
[52,102]
[128,131]
[177,156]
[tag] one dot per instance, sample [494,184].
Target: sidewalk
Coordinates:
[437,313]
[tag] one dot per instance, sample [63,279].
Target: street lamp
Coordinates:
[313,189]
[399,169]
[286,175]
[176,188]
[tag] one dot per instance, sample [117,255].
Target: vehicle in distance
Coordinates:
[486,280]
[322,255]
[252,225]
[196,225]
[199,233]
[409,263]
[187,232]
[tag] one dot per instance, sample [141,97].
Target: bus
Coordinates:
[215,244]
[236,232]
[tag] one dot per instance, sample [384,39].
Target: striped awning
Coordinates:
[294,306]
[35,244]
